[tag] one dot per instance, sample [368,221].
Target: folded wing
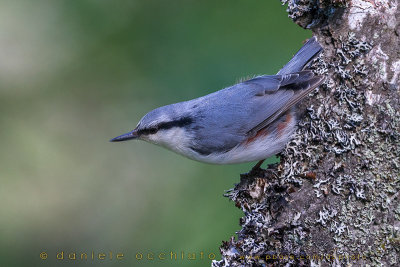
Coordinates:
[239,112]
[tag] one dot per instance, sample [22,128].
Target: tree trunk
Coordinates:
[333,200]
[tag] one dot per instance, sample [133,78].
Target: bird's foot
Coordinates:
[257,167]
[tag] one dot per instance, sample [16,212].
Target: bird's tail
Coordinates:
[300,60]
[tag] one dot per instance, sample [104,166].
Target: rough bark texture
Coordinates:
[333,200]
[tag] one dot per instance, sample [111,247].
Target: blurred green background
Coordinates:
[74,74]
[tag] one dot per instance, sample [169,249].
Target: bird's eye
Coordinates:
[152,130]
[146,131]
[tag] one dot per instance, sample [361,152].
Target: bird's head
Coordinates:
[163,126]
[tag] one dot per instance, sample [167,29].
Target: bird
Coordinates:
[249,121]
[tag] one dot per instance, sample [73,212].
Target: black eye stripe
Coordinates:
[176,123]
[148,131]
[185,121]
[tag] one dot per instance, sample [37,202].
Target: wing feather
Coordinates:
[301,89]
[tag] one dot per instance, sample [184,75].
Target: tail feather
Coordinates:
[300,60]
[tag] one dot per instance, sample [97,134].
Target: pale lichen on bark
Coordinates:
[335,192]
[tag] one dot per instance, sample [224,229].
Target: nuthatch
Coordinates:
[249,121]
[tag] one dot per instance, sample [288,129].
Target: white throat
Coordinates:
[175,139]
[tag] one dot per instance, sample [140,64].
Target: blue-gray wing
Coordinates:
[236,113]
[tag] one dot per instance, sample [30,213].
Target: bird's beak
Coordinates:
[128,136]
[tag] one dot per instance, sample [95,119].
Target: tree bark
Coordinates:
[333,199]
